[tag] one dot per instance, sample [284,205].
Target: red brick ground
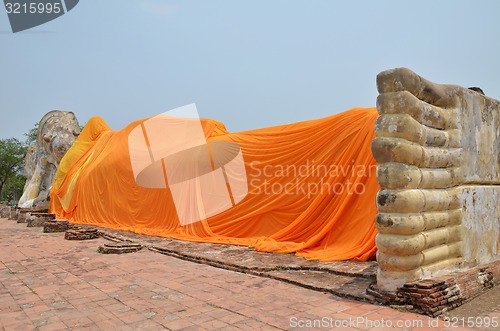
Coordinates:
[48,283]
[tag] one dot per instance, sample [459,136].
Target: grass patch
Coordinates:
[282,267]
[214,306]
[32,290]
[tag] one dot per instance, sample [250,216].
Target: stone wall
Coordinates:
[438,148]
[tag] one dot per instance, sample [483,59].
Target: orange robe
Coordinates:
[311,188]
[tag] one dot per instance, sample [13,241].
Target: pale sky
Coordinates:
[249,64]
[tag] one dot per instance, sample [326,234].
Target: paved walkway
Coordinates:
[48,283]
[348,279]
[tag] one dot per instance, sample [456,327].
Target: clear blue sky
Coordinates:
[248,64]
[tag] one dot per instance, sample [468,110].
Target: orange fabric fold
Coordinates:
[311,188]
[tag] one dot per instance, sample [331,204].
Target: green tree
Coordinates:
[31,135]
[12,153]
[13,188]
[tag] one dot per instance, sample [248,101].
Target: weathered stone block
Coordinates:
[14,214]
[5,211]
[36,222]
[35,219]
[81,234]
[22,217]
[119,248]
[56,226]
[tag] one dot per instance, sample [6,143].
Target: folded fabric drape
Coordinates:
[311,188]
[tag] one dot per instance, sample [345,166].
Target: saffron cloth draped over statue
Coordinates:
[311,188]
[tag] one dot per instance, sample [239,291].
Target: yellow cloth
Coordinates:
[312,188]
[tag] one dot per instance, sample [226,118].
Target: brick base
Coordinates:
[119,248]
[35,219]
[437,295]
[81,234]
[55,226]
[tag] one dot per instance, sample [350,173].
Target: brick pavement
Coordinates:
[348,279]
[48,283]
